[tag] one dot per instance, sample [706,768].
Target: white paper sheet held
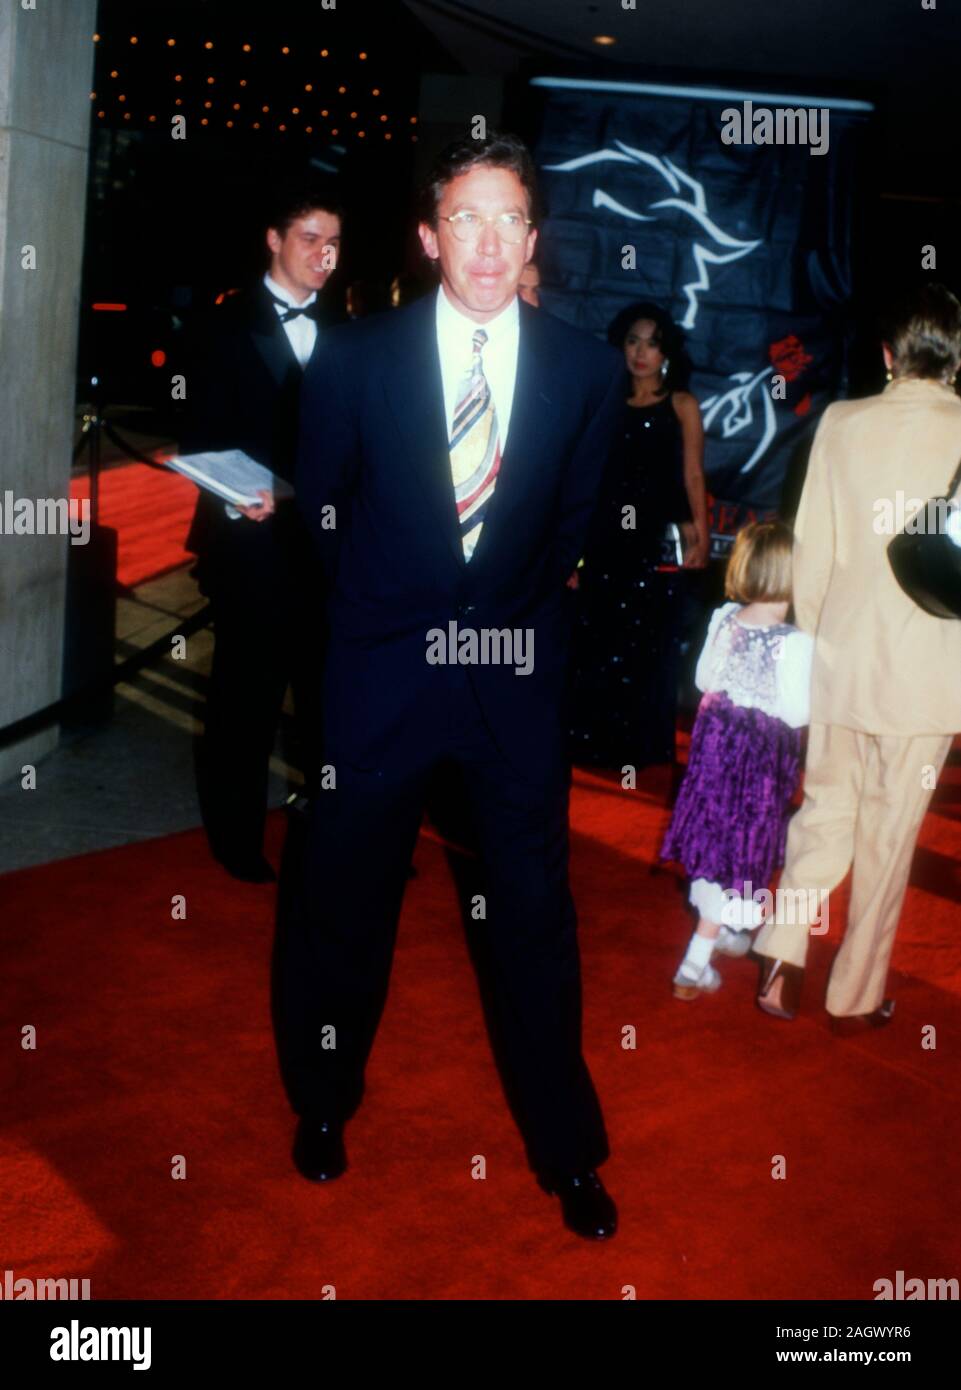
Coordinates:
[232,475]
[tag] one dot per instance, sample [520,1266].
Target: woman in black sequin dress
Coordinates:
[628,639]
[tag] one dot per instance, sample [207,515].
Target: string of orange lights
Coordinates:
[298,118]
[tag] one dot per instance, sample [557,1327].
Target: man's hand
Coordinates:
[262,510]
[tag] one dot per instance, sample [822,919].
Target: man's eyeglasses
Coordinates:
[510,226]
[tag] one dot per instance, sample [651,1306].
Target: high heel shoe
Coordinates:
[850,1025]
[779,988]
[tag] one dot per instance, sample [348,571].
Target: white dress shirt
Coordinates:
[301,331]
[498,357]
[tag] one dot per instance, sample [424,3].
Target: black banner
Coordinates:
[733,211]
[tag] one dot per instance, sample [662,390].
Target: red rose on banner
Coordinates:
[803,405]
[789,358]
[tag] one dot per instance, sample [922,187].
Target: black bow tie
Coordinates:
[292,313]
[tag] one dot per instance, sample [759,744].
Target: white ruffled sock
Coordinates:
[697,955]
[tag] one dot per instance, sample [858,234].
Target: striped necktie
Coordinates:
[475,455]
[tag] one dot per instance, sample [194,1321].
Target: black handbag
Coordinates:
[670,551]
[927,561]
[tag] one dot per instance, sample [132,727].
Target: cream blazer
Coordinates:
[881,664]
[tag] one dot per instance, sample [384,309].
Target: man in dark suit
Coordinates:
[460,442]
[255,564]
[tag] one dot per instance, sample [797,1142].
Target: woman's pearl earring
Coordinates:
[889,376]
[664,366]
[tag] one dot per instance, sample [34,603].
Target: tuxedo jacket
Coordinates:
[243,392]
[374,449]
[881,664]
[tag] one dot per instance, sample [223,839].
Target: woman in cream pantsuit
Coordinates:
[886,682]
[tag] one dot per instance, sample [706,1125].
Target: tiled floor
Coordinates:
[133,777]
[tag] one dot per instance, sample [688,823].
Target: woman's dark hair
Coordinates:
[499,150]
[923,331]
[667,336]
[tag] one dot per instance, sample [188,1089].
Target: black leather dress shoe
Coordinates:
[587,1208]
[252,868]
[319,1153]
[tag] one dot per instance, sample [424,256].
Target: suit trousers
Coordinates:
[865,796]
[259,649]
[342,885]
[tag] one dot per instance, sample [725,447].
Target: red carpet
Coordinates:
[153,1040]
[151,511]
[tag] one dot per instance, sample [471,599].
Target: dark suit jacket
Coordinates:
[374,445]
[243,392]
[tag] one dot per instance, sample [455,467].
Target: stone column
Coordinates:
[46,66]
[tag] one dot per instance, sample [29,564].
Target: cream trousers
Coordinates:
[865,796]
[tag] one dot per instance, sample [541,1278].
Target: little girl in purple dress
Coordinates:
[730,821]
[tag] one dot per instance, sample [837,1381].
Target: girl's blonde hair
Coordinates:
[759,568]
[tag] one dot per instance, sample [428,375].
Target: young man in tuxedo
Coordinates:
[460,442]
[256,564]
